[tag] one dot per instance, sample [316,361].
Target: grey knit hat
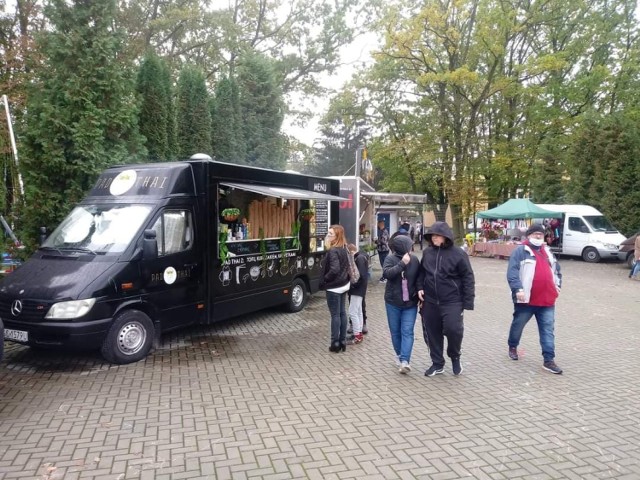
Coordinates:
[535,228]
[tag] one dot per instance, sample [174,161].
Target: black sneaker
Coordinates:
[433,370]
[513,353]
[456,365]
[552,367]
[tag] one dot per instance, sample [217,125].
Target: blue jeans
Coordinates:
[635,270]
[545,316]
[337,308]
[401,322]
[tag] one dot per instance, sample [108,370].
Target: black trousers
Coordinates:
[439,321]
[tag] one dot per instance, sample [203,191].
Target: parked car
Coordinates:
[627,249]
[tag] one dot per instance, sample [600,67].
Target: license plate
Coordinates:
[16,335]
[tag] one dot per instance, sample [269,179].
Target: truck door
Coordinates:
[576,235]
[173,280]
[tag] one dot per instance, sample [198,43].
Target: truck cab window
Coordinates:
[99,228]
[174,231]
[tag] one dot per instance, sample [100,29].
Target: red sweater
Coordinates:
[543,289]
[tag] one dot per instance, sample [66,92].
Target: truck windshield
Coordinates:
[98,228]
[599,223]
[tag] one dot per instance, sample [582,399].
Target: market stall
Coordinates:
[504,226]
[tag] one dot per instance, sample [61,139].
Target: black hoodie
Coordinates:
[445,274]
[394,269]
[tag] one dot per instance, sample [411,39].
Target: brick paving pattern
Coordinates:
[261,397]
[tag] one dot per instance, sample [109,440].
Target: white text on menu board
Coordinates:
[322,218]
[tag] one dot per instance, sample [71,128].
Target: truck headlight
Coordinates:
[72,309]
[610,246]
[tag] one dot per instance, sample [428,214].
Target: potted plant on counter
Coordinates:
[307,214]
[231,214]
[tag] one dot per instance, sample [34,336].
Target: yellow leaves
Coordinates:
[545,64]
[459,77]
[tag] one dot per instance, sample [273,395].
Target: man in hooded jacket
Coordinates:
[446,286]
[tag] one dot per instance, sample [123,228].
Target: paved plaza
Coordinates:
[261,397]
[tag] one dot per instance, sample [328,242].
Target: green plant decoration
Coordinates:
[283,246]
[230,214]
[223,250]
[295,233]
[307,213]
[263,251]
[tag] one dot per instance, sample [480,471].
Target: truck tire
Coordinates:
[298,296]
[129,339]
[590,255]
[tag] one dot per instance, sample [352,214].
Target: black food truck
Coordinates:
[154,247]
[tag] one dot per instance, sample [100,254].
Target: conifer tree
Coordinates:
[193,115]
[81,112]
[154,107]
[262,112]
[227,133]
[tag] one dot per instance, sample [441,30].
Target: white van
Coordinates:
[585,232]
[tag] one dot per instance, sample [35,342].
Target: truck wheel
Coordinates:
[129,339]
[298,296]
[591,255]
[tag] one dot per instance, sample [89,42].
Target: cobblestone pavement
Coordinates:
[261,397]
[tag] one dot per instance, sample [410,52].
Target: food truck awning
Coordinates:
[384,197]
[283,192]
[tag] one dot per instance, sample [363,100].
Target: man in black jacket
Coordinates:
[446,286]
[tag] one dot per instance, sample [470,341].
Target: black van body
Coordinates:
[148,251]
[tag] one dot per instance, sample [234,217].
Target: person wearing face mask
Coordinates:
[535,280]
[446,288]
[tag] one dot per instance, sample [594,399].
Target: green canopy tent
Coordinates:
[517,208]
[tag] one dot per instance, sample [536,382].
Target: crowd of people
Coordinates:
[439,287]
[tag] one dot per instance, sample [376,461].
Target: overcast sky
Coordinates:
[352,57]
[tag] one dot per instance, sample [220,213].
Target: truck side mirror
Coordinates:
[149,244]
[584,229]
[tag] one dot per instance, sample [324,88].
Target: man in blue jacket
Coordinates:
[535,280]
[446,286]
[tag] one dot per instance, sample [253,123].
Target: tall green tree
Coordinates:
[155,107]
[82,114]
[604,170]
[172,125]
[194,115]
[261,112]
[227,135]
[343,130]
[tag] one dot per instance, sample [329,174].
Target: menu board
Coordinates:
[322,218]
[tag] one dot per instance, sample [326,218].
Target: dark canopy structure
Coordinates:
[517,208]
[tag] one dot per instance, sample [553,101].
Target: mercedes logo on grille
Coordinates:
[16,308]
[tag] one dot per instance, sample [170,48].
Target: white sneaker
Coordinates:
[397,359]
[404,367]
